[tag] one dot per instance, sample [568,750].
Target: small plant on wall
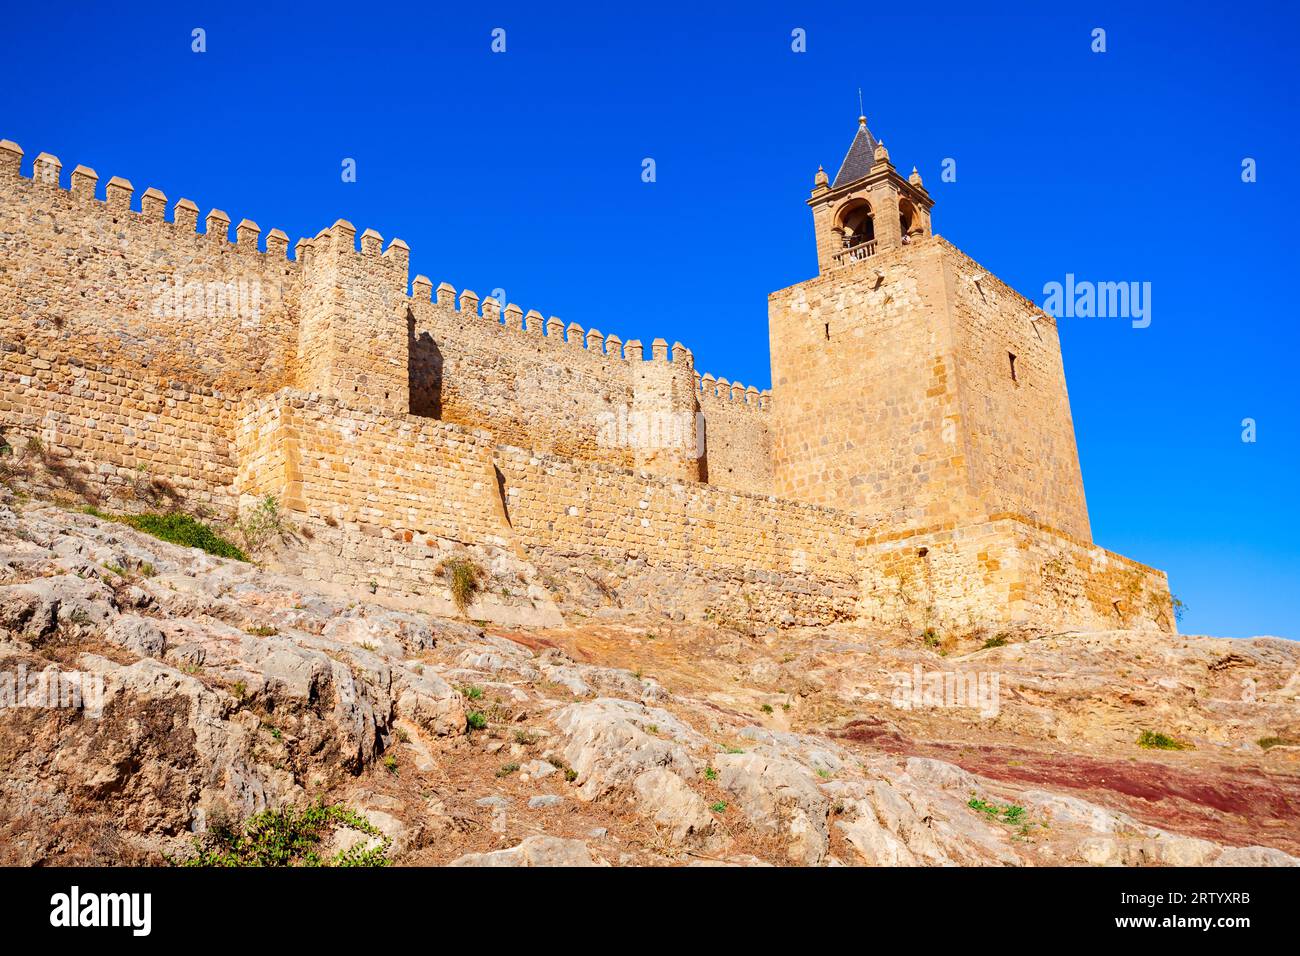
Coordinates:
[1160,608]
[464,578]
[262,526]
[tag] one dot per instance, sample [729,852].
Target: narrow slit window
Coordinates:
[1011,357]
[828,331]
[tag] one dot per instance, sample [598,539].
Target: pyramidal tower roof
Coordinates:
[858,160]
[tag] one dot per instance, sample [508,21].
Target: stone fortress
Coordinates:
[913,465]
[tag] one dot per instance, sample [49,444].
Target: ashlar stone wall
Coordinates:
[788,562]
[866,413]
[405,476]
[1019,440]
[116,432]
[896,395]
[562,390]
[1008,572]
[738,438]
[88,276]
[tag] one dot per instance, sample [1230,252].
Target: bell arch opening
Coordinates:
[855,223]
[909,220]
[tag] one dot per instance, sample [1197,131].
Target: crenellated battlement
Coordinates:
[118,197]
[391,263]
[552,331]
[732,393]
[106,275]
[352,339]
[338,247]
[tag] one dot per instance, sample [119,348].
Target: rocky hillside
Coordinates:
[625,737]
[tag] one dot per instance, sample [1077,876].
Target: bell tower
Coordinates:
[909,384]
[868,208]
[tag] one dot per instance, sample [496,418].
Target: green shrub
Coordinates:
[997,640]
[1007,813]
[476,720]
[185,530]
[1269,742]
[263,525]
[1155,741]
[288,837]
[176,527]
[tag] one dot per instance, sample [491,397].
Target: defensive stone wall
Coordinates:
[529,387]
[402,429]
[93,278]
[739,440]
[560,389]
[99,274]
[385,501]
[401,476]
[1006,572]
[787,562]
[117,433]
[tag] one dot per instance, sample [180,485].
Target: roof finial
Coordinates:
[862,114]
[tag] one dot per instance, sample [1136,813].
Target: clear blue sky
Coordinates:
[522,171]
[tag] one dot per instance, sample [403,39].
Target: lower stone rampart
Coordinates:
[748,557]
[383,501]
[119,434]
[1008,572]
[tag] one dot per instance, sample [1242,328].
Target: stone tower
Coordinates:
[909,384]
[352,340]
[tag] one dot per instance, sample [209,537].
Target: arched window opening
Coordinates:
[909,220]
[859,226]
[855,228]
